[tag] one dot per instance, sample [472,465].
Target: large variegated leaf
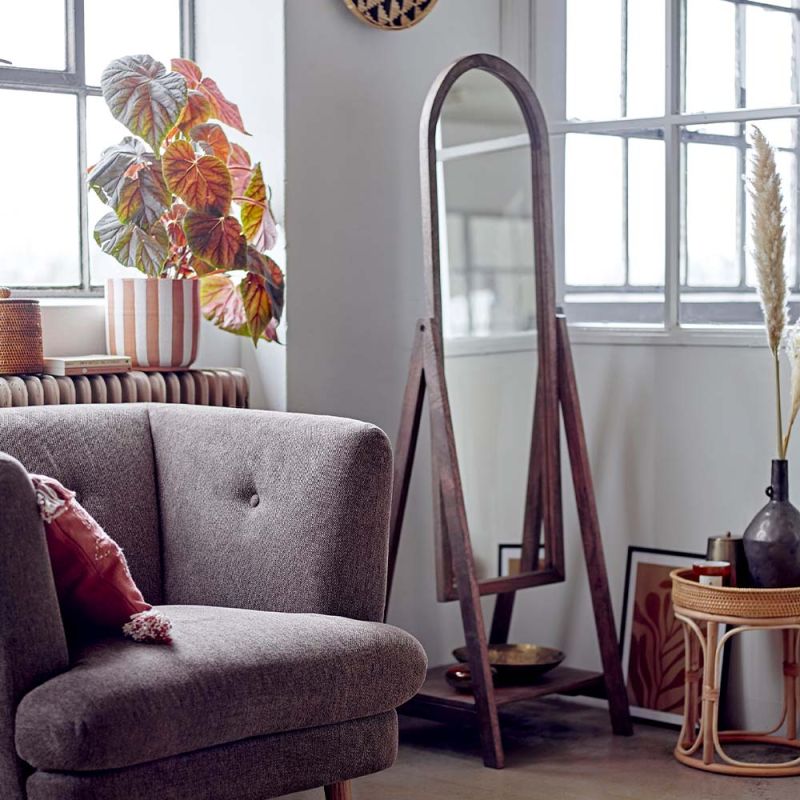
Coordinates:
[257,221]
[131,245]
[142,196]
[143,96]
[115,163]
[198,109]
[240,168]
[227,111]
[257,305]
[212,140]
[262,264]
[224,110]
[216,239]
[222,304]
[202,182]
[190,71]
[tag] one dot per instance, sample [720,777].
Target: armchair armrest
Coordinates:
[32,642]
[273,511]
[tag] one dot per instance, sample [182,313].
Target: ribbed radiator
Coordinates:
[202,387]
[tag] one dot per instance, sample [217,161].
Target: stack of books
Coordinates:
[86,365]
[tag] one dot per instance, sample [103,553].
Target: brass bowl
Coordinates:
[518,663]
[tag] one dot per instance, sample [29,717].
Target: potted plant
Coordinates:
[772,539]
[188,209]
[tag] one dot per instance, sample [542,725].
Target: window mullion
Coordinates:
[625,148]
[672,160]
[741,150]
[187,29]
[79,55]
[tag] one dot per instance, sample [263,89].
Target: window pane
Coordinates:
[39,217]
[713,190]
[594,59]
[646,212]
[112,30]
[488,284]
[593,216]
[102,131]
[33,33]
[769,58]
[645,72]
[718,219]
[710,55]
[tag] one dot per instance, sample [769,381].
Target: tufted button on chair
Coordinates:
[263,537]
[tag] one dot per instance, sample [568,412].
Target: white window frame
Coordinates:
[533,38]
[72,81]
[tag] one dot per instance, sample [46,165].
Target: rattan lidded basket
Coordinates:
[20,335]
[726,601]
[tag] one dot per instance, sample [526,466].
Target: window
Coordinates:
[55,124]
[650,129]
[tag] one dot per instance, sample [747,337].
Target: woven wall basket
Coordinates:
[20,337]
[391,15]
[155,321]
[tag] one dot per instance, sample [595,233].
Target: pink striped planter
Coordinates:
[155,321]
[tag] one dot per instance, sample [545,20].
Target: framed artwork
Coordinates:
[651,637]
[508,558]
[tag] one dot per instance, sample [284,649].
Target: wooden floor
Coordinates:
[565,752]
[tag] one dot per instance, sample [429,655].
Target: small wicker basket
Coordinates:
[726,601]
[20,336]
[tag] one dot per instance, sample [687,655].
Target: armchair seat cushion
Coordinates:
[230,674]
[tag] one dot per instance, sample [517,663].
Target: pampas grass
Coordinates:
[769,246]
[769,239]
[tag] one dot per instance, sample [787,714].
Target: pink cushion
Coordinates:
[92,578]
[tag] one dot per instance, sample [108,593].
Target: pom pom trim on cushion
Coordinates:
[148,626]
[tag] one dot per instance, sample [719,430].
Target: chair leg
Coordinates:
[338,791]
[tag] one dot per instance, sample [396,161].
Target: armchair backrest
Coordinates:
[105,455]
[273,511]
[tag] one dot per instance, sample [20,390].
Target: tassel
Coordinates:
[148,626]
[51,505]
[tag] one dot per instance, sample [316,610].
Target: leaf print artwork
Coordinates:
[656,660]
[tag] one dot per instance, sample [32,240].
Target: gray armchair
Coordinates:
[263,537]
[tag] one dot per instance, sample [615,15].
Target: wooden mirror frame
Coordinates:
[543,493]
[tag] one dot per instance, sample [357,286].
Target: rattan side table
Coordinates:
[702,610]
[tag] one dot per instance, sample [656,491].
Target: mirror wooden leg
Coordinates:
[338,791]
[590,535]
[455,523]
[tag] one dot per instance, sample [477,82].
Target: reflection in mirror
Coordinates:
[479,107]
[487,245]
[488,289]
[491,403]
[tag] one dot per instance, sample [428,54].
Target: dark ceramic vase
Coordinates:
[772,539]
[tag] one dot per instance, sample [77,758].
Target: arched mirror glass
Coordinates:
[487,286]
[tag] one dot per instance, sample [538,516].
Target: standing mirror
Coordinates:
[495,438]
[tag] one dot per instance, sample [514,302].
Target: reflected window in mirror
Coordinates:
[487,262]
